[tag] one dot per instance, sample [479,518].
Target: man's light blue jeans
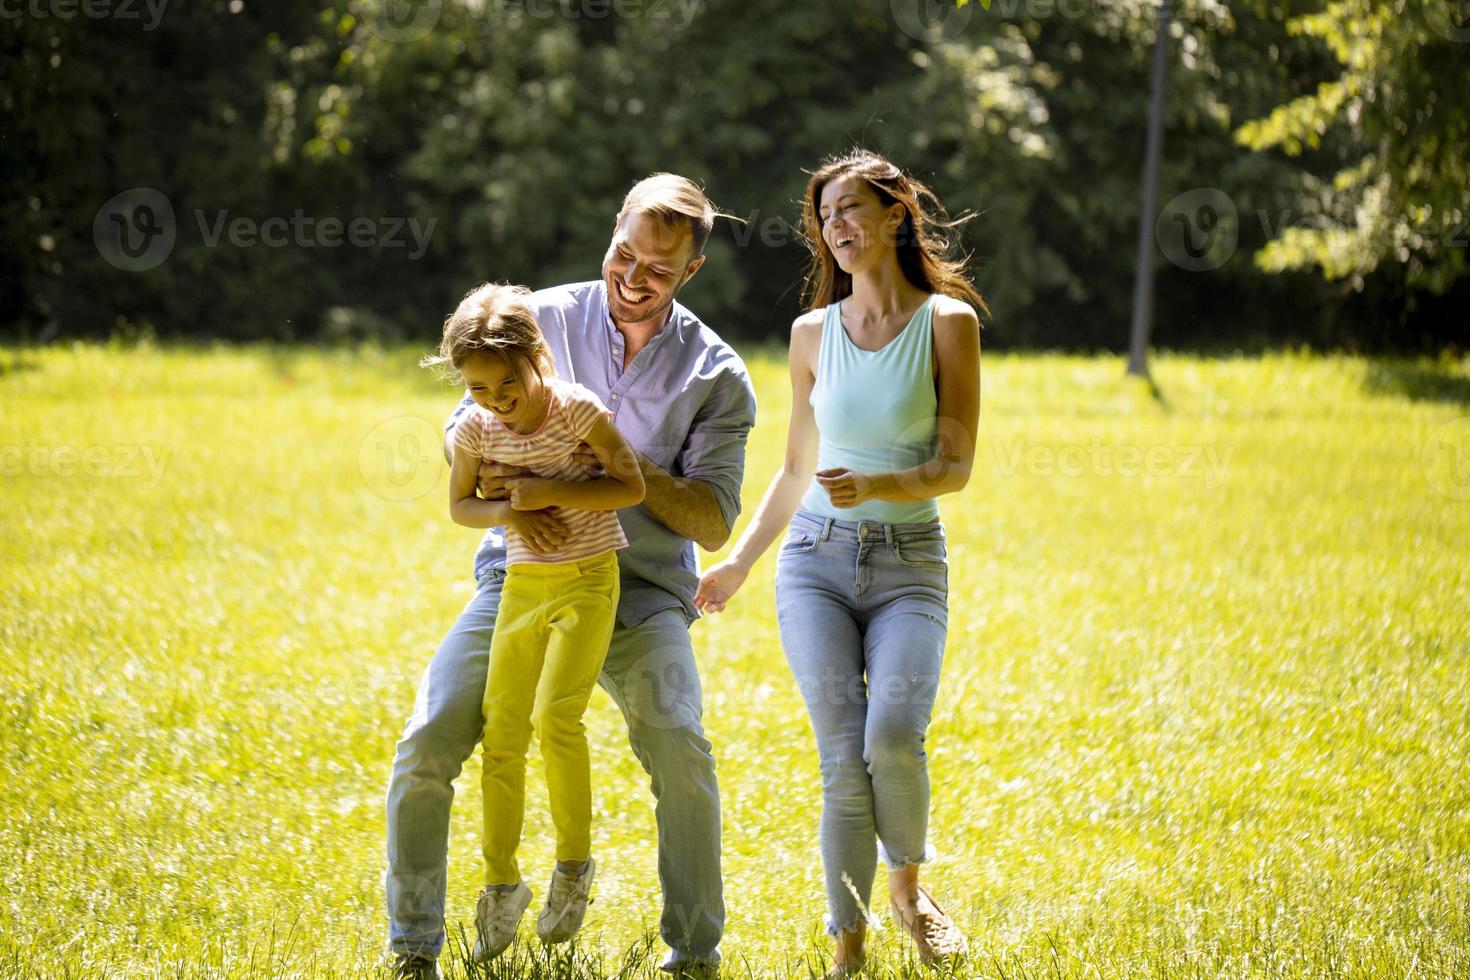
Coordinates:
[863,610]
[651,675]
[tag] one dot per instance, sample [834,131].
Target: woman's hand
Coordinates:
[844,487]
[531,492]
[542,530]
[718,585]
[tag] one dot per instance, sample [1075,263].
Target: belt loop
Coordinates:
[826,528]
[888,535]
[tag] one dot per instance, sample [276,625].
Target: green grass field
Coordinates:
[1206,705]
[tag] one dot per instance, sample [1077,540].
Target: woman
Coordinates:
[885,378]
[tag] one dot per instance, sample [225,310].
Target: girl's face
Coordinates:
[855,225]
[498,387]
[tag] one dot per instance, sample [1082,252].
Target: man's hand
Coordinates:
[541,529]
[532,492]
[584,456]
[492,479]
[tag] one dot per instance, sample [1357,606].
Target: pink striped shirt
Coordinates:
[549,453]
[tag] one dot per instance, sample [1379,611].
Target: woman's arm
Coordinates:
[957,354]
[785,491]
[622,487]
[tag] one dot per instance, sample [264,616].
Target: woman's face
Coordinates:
[856,226]
[496,386]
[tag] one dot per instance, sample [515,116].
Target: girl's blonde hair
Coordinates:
[493,319]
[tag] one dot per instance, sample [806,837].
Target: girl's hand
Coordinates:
[541,529]
[718,585]
[492,476]
[531,492]
[846,488]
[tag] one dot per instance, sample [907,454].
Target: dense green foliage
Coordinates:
[1203,711]
[1405,197]
[507,131]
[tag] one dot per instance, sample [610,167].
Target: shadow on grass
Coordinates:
[1420,382]
[14,362]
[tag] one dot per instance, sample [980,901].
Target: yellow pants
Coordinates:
[550,641]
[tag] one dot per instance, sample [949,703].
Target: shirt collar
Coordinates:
[610,330]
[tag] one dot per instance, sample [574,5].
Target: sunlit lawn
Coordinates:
[1206,705]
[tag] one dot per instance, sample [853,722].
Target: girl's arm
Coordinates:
[622,487]
[465,507]
[542,530]
[784,494]
[957,352]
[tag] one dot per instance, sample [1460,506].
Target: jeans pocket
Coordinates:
[924,550]
[799,542]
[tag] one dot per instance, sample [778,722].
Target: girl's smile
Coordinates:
[498,387]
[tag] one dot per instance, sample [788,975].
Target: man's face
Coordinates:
[646,265]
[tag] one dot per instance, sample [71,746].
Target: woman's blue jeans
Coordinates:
[863,610]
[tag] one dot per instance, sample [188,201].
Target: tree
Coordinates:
[1402,193]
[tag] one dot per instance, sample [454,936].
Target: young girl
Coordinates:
[885,377]
[557,600]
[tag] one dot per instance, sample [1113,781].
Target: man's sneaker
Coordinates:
[413,966]
[936,935]
[496,916]
[566,904]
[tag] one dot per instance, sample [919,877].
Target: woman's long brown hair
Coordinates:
[926,250]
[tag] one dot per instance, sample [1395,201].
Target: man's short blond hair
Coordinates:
[673,200]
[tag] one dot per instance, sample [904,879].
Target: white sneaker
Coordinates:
[496,916]
[566,904]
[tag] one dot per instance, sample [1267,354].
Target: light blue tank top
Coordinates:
[875,411]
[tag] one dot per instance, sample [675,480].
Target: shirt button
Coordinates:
[615,396]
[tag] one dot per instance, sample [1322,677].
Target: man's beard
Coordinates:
[623,313]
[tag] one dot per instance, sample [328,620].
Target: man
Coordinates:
[683,399]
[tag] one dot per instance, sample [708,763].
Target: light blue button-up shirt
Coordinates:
[686,402]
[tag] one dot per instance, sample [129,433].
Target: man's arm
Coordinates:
[704,502]
[685,506]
